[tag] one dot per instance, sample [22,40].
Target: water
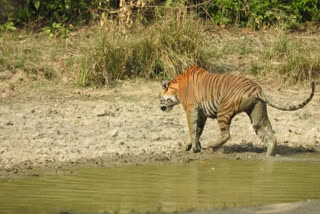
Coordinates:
[201,185]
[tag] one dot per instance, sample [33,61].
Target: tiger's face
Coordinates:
[169,97]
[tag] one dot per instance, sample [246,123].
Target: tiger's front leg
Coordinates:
[196,123]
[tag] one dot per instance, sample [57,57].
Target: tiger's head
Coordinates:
[169,97]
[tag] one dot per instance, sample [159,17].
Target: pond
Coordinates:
[197,185]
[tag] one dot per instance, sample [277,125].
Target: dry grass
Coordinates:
[162,49]
[276,56]
[295,58]
[99,56]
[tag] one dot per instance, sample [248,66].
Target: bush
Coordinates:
[60,11]
[246,13]
[256,14]
[163,49]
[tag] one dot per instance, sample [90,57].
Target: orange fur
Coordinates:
[219,96]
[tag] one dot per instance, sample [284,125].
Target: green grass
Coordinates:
[95,56]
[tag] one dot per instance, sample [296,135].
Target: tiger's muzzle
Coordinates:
[167,103]
[166,108]
[163,108]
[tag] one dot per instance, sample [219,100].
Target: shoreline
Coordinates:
[43,126]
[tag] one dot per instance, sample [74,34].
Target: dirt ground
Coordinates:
[309,206]
[45,125]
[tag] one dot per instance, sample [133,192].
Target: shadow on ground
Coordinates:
[250,147]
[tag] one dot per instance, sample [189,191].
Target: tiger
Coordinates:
[221,96]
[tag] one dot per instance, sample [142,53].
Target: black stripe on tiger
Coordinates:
[220,96]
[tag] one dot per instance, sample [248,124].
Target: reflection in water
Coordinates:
[200,185]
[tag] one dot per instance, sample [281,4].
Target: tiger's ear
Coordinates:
[165,84]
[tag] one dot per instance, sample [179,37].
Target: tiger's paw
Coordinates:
[196,150]
[189,146]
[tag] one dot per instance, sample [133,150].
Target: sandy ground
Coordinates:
[60,126]
[307,207]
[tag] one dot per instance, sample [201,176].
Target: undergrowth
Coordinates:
[100,55]
[162,49]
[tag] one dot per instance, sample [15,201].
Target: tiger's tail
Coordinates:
[262,96]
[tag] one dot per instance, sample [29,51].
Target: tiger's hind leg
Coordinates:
[259,118]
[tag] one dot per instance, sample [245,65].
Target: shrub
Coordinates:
[246,13]
[256,14]
[163,49]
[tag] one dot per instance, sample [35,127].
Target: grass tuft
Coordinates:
[96,56]
[161,50]
[301,68]
[294,60]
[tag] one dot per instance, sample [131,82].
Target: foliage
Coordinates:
[57,30]
[246,13]
[256,13]
[60,11]
[8,26]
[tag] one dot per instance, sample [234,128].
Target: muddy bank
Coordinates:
[61,127]
[310,207]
